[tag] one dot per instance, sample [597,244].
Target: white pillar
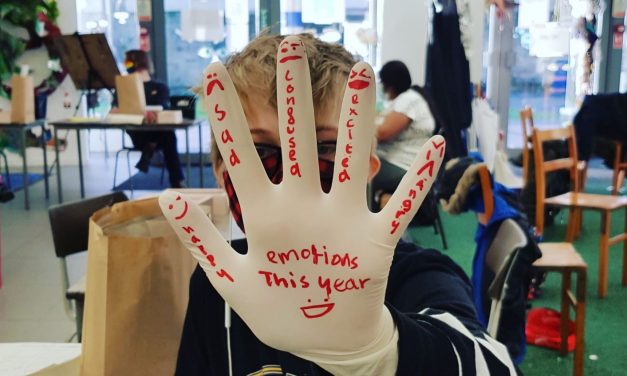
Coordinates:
[236,13]
[500,60]
[475,55]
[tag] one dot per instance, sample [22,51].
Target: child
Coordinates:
[324,286]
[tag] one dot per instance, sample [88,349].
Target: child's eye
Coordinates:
[326,149]
[266,151]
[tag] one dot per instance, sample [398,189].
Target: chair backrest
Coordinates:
[542,166]
[500,258]
[527,125]
[486,193]
[526,121]
[70,222]
[502,252]
[508,239]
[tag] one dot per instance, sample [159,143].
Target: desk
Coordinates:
[24,128]
[99,124]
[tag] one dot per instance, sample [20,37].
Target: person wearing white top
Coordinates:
[403,127]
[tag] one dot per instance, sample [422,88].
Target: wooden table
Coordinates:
[100,124]
[24,128]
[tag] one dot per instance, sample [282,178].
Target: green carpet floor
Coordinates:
[606,319]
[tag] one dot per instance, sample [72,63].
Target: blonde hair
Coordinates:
[253,71]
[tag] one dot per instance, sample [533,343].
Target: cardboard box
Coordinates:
[170,117]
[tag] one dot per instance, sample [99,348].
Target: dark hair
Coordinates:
[395,75]
[139,59]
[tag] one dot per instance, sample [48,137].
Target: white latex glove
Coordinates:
[314,278]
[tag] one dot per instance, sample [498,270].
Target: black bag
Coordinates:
[427,213]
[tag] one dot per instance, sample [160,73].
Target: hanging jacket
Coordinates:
[601,116]
[448,78]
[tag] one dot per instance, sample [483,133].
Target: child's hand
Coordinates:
[314,278]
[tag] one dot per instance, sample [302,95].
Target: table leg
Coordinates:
[200,156]
[43,148]
[56,154]
[603,252]
[80,162]
[572,224]
[565,312]
[25,171]
[580,317]
[189,162]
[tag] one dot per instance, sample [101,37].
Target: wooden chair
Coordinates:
[575,200]
[619,166]
[527,125]
[562,258]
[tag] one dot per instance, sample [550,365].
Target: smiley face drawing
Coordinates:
[185,208]
[359,83]
[317,310]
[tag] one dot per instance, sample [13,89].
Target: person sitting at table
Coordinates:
[157,94]
[403,127]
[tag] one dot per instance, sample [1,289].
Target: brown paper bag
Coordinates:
[22,99]
[136,292]
[131,96]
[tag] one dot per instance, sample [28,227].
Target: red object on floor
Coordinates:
[543,329]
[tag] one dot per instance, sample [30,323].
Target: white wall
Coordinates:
[477,15]
[404,36]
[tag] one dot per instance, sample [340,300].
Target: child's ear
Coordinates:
[375,165]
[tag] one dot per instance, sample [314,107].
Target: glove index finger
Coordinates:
[411,191]
[200,236]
